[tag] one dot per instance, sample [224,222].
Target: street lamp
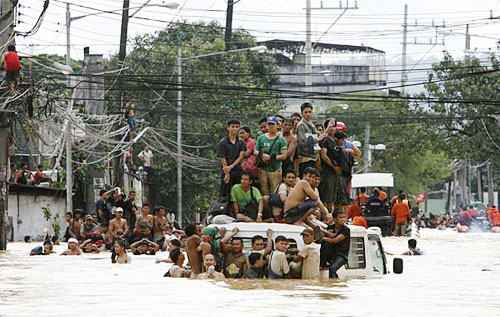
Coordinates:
[180,60]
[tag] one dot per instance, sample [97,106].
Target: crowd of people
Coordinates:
[24,176]
[296,171]
[468,217]
[213,253]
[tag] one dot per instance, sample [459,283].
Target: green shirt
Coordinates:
[264,144]
[241,197]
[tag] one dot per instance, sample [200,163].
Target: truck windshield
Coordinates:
[377,254]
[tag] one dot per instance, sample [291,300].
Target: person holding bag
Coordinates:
[271,150]
[248,205]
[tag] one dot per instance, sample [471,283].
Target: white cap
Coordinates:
[72,240]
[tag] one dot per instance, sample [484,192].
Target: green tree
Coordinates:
[214,89]
[462,93]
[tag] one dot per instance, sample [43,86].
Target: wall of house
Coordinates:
[25,210]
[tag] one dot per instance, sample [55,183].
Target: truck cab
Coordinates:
[366,254]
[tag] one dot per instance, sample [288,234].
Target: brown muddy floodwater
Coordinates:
[459,275]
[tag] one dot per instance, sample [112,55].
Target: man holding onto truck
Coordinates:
[335,246]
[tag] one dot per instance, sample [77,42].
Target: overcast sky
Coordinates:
[377,23]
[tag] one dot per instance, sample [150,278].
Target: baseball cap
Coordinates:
[119,209]
[72,240]
[272,120]
[87,217]
[341,126]
[307,231]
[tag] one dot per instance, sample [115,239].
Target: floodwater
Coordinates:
[459,275]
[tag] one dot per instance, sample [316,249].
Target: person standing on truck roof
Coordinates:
[335,246]
[231,153]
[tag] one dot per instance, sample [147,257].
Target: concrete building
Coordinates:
[336,68]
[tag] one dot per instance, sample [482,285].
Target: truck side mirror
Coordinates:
[397,265]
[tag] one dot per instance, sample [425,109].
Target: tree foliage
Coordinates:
[214,90]
[469,128]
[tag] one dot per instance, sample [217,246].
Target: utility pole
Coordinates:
[491,192]
[479,185]
[308,48]
[68,41]
[123,35]
[229,24]
[432,42]
[403,66]
[367,154]
[6,37]
[455,190]
[69,163]
[467,42]
[121,59]
[179,135]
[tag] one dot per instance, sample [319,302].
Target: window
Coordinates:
[247,244]
[356,259]
[376,254]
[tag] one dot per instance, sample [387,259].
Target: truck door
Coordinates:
[376,252]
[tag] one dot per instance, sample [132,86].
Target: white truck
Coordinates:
[366,254]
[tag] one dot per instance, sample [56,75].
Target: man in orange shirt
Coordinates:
[362,198]
[494,216]
[402,213]
[383,195]
[492,210]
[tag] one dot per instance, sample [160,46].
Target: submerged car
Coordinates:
[366,254]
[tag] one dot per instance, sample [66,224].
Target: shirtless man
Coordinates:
[291,141]
[73,248]
[75,224]
[160,225]
[118,225]
[210,272]
[194,256]
[303,201]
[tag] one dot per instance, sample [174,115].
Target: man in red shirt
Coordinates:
[464,217]
[12,66]
[40,176]
[354,211]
